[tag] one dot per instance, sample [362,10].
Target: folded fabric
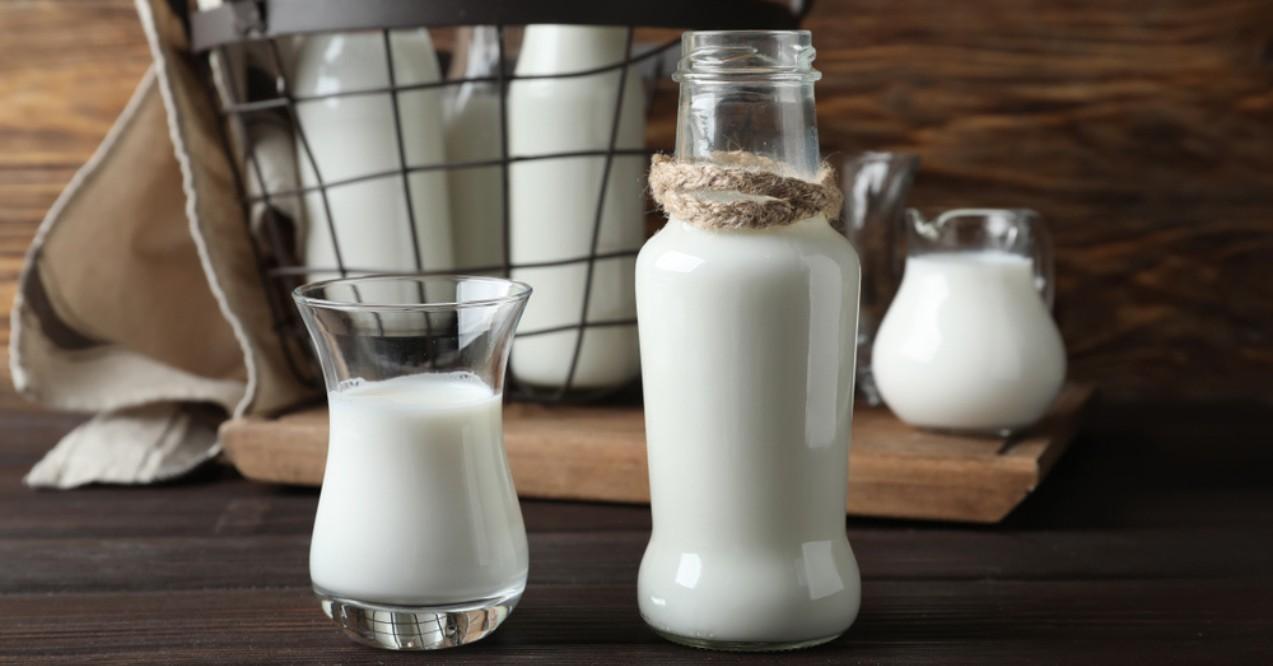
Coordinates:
[141,297]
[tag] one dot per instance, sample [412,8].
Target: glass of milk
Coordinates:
[968,344]
[418,540]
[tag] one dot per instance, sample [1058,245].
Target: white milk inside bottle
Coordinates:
[554,205]
[417,505]
[353,137]
[968,344]
[748,400]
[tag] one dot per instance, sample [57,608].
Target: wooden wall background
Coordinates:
[1142,130]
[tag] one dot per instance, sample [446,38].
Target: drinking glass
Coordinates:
[418,541]
[875,186]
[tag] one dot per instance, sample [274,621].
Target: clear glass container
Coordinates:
[749,90]
[875,187]
[473,135]
[747,352]
[968,344]
[418,541]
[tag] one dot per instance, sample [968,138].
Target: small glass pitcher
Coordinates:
[418,541]
[969,344]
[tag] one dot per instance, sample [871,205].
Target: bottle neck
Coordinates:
[773,120]
[749,91]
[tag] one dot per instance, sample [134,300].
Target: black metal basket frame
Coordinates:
[262,21]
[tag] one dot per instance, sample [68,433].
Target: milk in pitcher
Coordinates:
[968,344]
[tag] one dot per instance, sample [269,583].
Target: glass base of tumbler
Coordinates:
[417,627]
[745,646]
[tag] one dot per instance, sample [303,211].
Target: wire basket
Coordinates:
[226,33]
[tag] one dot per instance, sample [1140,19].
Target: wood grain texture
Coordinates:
[158,564]
[1142,130]
[911,622]
[1148,545]
[598,453]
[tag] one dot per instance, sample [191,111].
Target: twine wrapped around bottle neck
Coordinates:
[772,197]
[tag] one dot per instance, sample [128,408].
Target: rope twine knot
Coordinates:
[706,194]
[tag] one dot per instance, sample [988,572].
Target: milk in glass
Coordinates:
[417,506]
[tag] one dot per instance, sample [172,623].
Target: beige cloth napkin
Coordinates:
[140,299]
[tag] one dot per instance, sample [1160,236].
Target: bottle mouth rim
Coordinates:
[739,55]
[315,294]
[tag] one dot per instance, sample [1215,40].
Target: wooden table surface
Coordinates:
[1152,542]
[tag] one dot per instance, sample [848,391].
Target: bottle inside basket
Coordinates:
[747,319]
[366,209]
[564,210]
[473,135]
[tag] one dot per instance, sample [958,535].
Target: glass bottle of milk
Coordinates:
[554,205]
[968,344]
[365,220]
[747,354]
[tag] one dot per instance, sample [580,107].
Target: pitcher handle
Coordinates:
[1044,257]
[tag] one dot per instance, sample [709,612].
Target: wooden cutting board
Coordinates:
[598,453]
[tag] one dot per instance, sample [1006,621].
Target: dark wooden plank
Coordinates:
[901,622]
[146,564]
[25,434]
[214,568]
[220,503]
[1161,465]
